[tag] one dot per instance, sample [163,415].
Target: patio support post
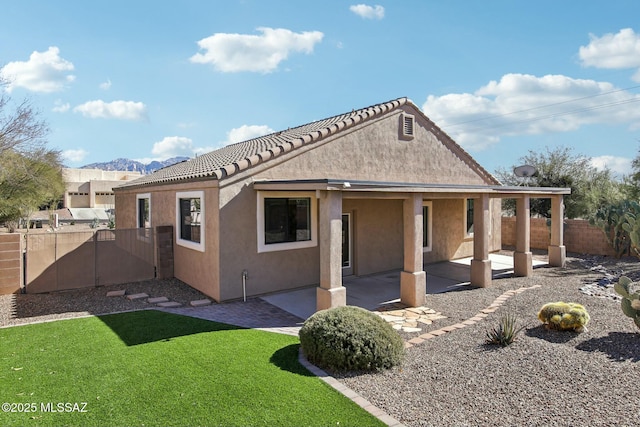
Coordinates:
[480,264]
[522,257]
[557,250]
[331,293]
[413,278]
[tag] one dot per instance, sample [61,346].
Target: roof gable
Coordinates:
[234,158]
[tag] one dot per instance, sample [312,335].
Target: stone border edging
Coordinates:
[349,393]
[497,303]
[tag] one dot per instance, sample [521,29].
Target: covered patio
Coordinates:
[378,290]
[414,280]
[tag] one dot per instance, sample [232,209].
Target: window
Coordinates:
[286,221]
[469,217]
[143,210]
[426,226]
[189,219]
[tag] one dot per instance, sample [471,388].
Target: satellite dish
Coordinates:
[524,171]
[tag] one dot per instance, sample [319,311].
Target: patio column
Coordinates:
[413,279]
[557,250]
[331,293]
[480,264]
[522,257]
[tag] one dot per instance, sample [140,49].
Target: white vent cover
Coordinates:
[407,124]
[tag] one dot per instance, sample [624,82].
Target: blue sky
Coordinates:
[152,80]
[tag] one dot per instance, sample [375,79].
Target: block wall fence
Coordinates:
[579,236]
[10,263]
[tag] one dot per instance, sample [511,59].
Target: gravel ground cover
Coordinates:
[545,378]
[28,308]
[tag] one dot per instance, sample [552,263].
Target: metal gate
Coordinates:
[72,260]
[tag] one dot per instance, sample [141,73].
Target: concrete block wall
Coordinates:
[579,236]
[164,244]
[10,263]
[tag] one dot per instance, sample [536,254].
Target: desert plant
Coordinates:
[630,293]
[350,338]
[611,219]
[506,331]
[564,316]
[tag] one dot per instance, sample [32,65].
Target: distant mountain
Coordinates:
[132,165]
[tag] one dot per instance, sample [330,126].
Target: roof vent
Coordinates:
[407,126]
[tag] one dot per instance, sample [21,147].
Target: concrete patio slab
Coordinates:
[372,292]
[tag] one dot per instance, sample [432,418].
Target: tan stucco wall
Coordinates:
[267,271]
[198,269]
[377,234]
[374,152]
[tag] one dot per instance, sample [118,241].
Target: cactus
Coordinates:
[564,316]
[632,227]
[630,293]
[612,220]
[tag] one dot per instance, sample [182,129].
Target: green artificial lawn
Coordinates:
[149,368]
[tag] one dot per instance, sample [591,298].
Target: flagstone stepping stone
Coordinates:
[157,300]
[119,293]
[200,302]
[389,318]
[169,304]
[137,296]
[407,329]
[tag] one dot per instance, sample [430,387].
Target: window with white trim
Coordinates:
[427,213]
[190,216]
[286,220]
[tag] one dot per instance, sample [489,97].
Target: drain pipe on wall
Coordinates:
[245,276]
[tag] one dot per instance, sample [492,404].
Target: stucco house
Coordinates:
[375,189]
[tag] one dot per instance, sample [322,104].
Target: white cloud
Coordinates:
[522,104]
[246,132]
[172,146]
[75,155]
[368,12]
[43,72]
[618,165]
[121,110]
[257,53]
[105,85]
[614,51]
[60,107]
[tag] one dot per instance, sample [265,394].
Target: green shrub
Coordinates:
[564,316]
[350,338]
[630,293]
[506,331]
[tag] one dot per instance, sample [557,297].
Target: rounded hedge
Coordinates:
[350,338]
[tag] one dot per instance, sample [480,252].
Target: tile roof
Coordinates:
[234,158]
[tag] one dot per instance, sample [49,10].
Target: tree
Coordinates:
[561,167]
[632,181]
[30,173]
